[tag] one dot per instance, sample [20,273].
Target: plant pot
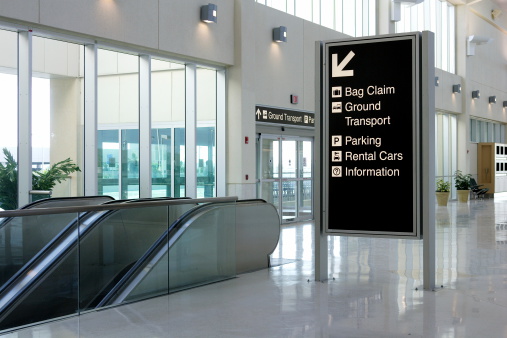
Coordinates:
[463,195]
[442,197]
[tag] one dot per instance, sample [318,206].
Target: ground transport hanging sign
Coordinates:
[370,135]
[280,116]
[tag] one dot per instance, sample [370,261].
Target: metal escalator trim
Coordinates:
[43,263]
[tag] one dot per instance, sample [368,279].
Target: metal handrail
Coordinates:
[102,207]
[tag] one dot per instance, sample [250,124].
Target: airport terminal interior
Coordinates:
[169,168]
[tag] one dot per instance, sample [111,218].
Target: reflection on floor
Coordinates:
[374,290]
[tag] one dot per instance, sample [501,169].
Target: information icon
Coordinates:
[336,171]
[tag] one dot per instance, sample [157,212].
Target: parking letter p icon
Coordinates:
[336,141]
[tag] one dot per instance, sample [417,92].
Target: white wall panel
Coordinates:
[8,56]
[108,99]
[27,10]
[129,21]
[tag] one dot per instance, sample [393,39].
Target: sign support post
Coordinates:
[320,237]
[428,158]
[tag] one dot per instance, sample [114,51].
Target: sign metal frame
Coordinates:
[345,69]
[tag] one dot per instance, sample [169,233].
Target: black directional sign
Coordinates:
[370,128]
[281,116]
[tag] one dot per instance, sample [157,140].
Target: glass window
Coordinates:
[349,15]
[304,9]
[359,18]
[473,132]
[372,21]
[327,14]
[9,107]
[168,129]
[118,124]
[486,131]
[206,127]
[278,4]
[446,146]
[435,16]
[316,12]
[355,18]
[57,113]
[338,14]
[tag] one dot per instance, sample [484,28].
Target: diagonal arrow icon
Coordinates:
[337,68]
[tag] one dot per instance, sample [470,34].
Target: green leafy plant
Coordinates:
[41,180]
[8,182]
[443,186]
[462,181]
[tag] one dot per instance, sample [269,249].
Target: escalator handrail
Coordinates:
[114,206]
[37,204]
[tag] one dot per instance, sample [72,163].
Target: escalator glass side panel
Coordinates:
[153,283]
[22,238]
[113,246]
[203,251]
[116,244]
[148,277]
[47,289]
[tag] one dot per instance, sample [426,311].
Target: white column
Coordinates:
[144,126]
[221,147]
[90,121]
[190,131]
[24,117]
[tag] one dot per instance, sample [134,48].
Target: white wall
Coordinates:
[165,25]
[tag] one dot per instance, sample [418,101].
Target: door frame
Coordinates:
[280,179]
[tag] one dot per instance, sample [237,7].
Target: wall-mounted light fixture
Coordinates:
[492,99]
[437,81]
[476,94]
[209,13]
[504,104]
[280,34]
[456,88]
[474,40]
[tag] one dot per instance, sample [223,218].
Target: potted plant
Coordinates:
[442,192]
[462,184]
[41,180]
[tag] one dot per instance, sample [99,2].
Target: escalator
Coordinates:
[256,230]
[109,257]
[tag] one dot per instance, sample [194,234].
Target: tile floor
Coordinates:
[374,290]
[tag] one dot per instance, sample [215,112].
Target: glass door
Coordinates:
[118,153]
[286,175]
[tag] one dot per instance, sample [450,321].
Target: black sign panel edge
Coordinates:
[416,134]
